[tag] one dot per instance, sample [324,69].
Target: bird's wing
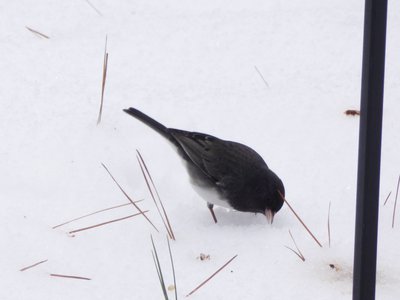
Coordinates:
[198,149]
[222,161]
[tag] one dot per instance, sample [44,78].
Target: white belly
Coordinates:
[210,195]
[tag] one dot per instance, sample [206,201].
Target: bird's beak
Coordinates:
[270,215]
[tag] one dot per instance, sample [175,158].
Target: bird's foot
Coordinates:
[210,207]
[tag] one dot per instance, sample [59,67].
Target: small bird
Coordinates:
[224,173]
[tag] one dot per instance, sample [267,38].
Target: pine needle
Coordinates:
[329,225]
[158,269]
[94,8]
[69,276]
[210,277]
[262,77]
[387,198]
[298,252]
[103,83]
[93,213]
[127,196]
[173,268]
[395,202]
[34,265]
[300,220]
[164,218]
[108,222]
[37,33]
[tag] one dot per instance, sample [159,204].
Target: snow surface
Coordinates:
[191,65]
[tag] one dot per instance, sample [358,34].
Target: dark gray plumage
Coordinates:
[225,173]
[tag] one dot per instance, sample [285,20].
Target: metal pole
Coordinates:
[369,152]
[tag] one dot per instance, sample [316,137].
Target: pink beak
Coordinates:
[270,215]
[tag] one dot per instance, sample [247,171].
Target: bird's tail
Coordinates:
[160,128]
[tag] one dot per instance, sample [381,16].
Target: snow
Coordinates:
[190,65]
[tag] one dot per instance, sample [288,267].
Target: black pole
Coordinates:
[369,152]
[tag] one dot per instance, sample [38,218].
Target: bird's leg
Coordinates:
[210,207]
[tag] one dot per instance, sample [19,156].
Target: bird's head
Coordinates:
[274,198]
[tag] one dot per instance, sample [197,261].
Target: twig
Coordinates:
[91,214]
[300,220]
[165,221]
[34,265]
[103,84]
[387,198]
[37,32]
[262,77]
[105,223]
[69,276]
[395,202]
[329,225]
[127,196]
[92,6]
[215,273]
[173,269]
[158,269]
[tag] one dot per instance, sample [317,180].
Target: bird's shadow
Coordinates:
[228,217]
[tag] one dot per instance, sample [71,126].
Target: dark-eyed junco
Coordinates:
[224,173]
